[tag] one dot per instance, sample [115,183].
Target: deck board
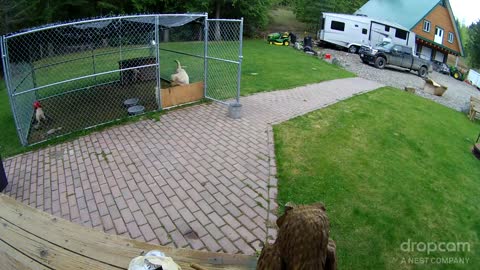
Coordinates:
[41,241]
[11,258]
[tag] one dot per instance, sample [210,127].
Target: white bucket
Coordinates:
[235,110]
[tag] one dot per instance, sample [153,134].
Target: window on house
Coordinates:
[426,26]
[364,31]
[387,28]
[339,26]
[401,34]
[450,37]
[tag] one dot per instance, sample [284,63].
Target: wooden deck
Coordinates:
[32,239]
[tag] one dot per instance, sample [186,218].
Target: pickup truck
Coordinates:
[387,53]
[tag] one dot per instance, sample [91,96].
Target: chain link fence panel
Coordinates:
[224,59]
[82,73]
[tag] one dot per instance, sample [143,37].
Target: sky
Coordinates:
[467,11]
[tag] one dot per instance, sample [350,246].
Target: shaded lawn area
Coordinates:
[9,142]
[277,67]
[283,19]
[389,166]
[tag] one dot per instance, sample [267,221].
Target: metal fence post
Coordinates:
[120,45]
[205,56]
[158,90]
[240,59]
[94,64]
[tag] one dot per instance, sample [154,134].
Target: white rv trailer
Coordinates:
[353,31]
[474,77]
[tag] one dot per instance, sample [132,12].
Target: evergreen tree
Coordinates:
[310,11]
[473,45]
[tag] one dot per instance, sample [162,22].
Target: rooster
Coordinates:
[39,114]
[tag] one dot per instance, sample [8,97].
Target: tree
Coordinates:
[17,14]
[463,32]
[254,12]
[309,11]
[14,15]
[473,44]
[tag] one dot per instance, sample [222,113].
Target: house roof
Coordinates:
[405,12]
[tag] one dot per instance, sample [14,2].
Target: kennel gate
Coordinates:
[82,71]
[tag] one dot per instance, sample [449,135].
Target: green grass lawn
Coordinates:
[265,68]
[270,67]
[389,167]
[9,142]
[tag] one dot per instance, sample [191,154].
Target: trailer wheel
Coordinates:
[380,62]
[422,72]
[353,49]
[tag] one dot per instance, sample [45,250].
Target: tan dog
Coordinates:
[180,77]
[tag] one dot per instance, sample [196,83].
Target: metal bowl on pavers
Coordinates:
[136,110]
[130,102]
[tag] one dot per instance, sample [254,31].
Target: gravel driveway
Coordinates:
[457,95]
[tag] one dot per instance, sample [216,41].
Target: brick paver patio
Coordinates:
[194,179]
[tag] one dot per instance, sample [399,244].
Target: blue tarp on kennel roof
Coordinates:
[165,20]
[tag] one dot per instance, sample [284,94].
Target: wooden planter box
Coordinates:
[181,94]
[434,88]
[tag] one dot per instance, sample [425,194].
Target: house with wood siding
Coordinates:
[432,21]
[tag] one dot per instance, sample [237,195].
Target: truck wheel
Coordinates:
[353,49]
[422,72]
[380,62]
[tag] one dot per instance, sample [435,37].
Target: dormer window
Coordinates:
[426,26]
[450,37]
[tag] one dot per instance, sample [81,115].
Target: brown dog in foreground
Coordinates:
[303,241]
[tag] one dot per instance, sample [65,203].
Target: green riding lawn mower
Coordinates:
[282,39]
[456,73]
